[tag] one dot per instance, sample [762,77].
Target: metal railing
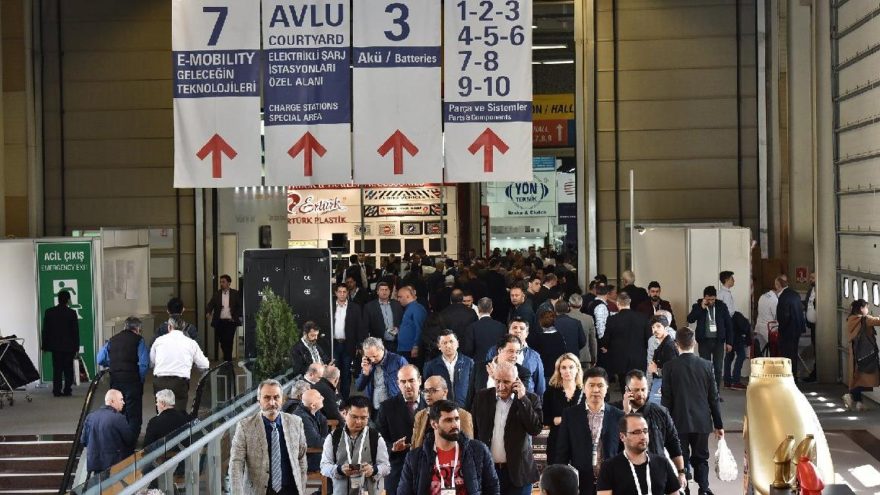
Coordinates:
[76,447]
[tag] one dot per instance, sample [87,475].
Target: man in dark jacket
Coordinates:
[106,435]
[224,313]
[396,418]
[504,418]
[457,318]
[655,303]
[461,366]
[626,338]
[571,329]
[521,307]
[691,396]
[637,294]
[61,338]
[307,350]
[465,465]
[714,330]
[175,310]
[169,419]
[314,425]
[378,378]
[127,357]
[792,323]
[485,332]
[382,316]
[348,333]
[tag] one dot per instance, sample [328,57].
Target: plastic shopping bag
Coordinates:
[725,463]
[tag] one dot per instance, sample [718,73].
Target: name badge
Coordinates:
[712,329]
[355,484]
[447,491]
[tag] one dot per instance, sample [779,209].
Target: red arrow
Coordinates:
[398,142]
[488,140]
[308,144]
[216,147]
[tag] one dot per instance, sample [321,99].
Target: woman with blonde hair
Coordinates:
[566,390]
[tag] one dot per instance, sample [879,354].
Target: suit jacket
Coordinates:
[354,329]
[60,330]
[457,318]
[690,394]
[354,271]
[790,315]
[480,377]
[626,338]
[361,296]
[301,358]
[485,333]
[216,304]
[647,309]
[167,422]
[575,440]
[249,458]
[527,312]
[573,333]
[395,422]
[723,322]
[422,427]
[460,386]
[638,295]
[331,407]
[373,317]
[525,418]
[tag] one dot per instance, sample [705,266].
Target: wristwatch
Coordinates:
[682,471]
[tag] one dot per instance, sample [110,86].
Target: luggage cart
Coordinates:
[9,383]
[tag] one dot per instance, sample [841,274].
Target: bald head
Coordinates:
[113,398]
[313,400]
[436,389]
[315,372]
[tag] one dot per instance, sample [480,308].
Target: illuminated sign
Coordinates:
[308,205]
[372,211]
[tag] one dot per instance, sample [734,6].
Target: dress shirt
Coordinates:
[601,316]
[225,311]
[595,421]
[726,297]
[387,316]
[174,354]
[339,321]
[450,367]
[286,468]
[380,391]
[502,409]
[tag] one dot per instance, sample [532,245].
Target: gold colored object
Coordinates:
[782,461]
[805,449]
[775,410]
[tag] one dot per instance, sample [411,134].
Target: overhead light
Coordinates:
[557,62]
[548,47]
[534,27]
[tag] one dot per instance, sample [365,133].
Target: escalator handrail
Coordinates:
[76,446]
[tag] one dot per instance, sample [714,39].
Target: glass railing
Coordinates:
[94,399]
[194,458]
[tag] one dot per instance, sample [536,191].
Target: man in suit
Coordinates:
[589,352]
[61,338]
[588,435]
[224,312]
[570,329]
[268,453]
[508,348]
[307,350]
[382,316]
[455,368]
[690,393]
[521,307]
[169,419]
[505,416]
[357,294]
[655,303]
[395,419]
[358,272]
[348,333]
[626,338]
[458,317]
[790,315]
[528,357]
[637,295]
[485,332]
[497,290]
[714,330]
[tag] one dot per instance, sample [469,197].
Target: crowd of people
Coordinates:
[441,374]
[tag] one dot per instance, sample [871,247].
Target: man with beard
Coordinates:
[448,461]
[654,303]
[307,351]
[260,461]
[621,473]
[714,329]
[395,421]
[521,306]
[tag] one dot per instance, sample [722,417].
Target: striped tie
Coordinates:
[276,458]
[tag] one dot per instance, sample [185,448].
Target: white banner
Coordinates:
[488,90]
[396,60]
[536,198]
[307,92]
[215,53]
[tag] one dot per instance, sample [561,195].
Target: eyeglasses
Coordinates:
[431,391]
[643,431]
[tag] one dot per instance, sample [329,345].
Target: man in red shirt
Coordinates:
[448,463]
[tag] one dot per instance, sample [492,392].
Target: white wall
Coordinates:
[18,295]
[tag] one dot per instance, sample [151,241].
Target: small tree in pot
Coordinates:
[276,334]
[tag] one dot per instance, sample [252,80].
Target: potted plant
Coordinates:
[276,333]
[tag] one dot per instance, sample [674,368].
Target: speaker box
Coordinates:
[338,242]
[265,236]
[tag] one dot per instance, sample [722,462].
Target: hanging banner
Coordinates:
[488,90]
[307,92]
[215,57]
[396,79]
[67,266]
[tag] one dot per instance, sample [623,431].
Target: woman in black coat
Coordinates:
[566,390]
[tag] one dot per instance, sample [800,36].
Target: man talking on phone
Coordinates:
[504,418]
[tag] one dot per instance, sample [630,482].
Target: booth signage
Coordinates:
[298,204]
[535,198]
[371,211]
[307,91]
[488,90]
[216,60]
[67,266]
[396,77]
[404,194]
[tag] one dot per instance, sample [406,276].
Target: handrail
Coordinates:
[197,398]
[76,447]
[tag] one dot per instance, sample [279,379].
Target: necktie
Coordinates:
[276,458]
[412,407]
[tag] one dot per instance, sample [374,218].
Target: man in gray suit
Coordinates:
[269,449]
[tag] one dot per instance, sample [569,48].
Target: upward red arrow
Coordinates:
[216,147]
[398,142]
[488,140]
[307,143]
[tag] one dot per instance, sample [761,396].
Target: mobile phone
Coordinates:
[354,467]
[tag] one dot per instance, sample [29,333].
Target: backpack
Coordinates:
[865,351]
[372,440]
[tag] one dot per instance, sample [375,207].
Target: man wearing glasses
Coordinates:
[635,470]
[436,390]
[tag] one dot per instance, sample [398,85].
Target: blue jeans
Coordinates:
[654,394]
[740,351]
[343,362]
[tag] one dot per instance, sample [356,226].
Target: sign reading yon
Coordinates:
[215,54]
[488,90]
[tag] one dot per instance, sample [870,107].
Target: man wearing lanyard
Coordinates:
[355,456]
[634,470]
[714,329]
[448,463]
